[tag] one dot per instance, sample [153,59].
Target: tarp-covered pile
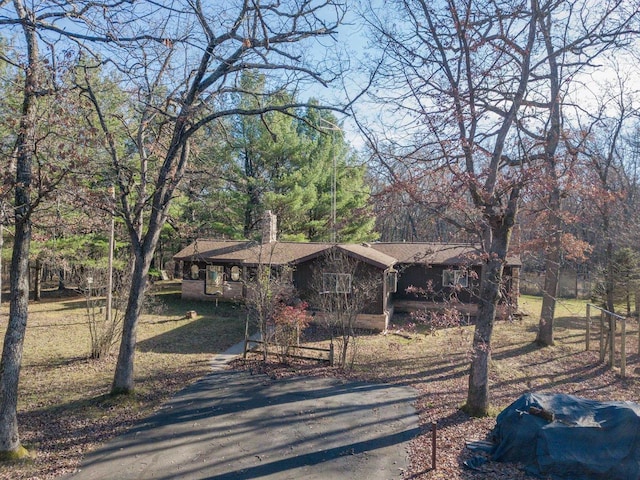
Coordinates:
[567,437]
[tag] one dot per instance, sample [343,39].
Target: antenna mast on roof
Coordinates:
[334,180]
[333,201]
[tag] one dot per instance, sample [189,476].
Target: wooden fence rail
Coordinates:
[328,351]
[608,325]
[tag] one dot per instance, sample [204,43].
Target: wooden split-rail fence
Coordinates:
[608,325]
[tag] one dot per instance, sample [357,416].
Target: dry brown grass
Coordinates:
[64,406]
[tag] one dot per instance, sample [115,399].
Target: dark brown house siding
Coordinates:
[303,276]
[368,271]
[420,276]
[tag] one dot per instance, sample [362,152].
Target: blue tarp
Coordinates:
[567,437]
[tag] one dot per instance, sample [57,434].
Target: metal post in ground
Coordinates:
[246,338]
[434,429]
[623,348]
[588,336]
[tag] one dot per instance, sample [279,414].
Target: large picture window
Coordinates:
[215,278]
[455,278]
[336,282]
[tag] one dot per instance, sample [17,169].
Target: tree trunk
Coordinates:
[253,194]
[14,339]
[610,279]
[61,279]
[491,281]
[123,380]
[250,210]
[550,292]
[19,276]
[143,248]
[37,282]
[553,254]
[1,262]
[478,393]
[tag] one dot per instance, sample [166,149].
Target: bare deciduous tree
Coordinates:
[185,84]
[42,55]
[268,288]
[466,67]
[474,113]
[571,46]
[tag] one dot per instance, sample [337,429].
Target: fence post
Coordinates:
[623,348]
[602,344]
[246,337]
[331,354]
[588,326]
[434,428]
[612,340]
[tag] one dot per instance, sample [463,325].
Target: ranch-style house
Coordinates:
[411,275]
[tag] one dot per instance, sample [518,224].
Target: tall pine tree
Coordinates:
[294,165]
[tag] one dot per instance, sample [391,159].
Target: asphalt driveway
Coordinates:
[235,425]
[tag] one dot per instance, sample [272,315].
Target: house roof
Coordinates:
[436,253]
[283,253]
[277,253]
[381,255]
[366,253]
[203,249]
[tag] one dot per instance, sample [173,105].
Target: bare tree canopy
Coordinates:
[180,65]
[475,89]
[185,84]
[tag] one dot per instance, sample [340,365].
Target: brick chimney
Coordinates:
[269,227]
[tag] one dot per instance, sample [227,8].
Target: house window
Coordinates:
[215,277]
[455,278]
[195,272]
[392,281]
[336,283]
[235,273]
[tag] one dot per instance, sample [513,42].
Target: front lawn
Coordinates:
[64,406]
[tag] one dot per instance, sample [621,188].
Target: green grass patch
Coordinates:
[19,454]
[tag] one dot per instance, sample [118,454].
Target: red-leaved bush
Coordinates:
[288,322]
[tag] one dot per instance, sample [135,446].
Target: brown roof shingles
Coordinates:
[382,255]
[252,253]
[203,249]
[368,254]
[283,253]
[436,253]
